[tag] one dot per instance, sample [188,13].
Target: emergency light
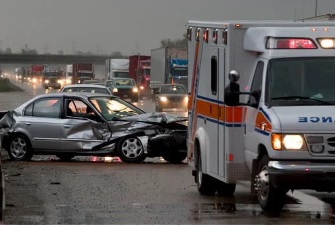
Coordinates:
[327,42]
[215,36]
[290,43]
[205,35]
[189,33]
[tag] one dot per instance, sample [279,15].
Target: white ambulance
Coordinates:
[262,107]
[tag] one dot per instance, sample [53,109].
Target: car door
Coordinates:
[43,124]
[80,129]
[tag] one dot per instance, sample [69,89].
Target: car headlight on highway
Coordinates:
[34,80]
[141,87]
[46,81]
[288,142]
[59,81]
[135,89]
[163,99]
[115,90]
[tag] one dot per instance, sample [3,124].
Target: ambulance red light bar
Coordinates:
[290,43]
[328,43]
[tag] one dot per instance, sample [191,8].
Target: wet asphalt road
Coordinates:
[91,190]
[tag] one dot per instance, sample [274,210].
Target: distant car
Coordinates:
[171,96]
[93,88]
[73,124]
[125,88]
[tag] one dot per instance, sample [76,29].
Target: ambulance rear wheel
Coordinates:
[205,183]
[224,189]
[269,197]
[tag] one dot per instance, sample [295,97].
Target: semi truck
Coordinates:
[81,72]
[68,73]
[52,77]
[139,70]
[35,74]
[261,107]
[168,66]
[117,68]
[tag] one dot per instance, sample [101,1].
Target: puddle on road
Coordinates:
[246,207]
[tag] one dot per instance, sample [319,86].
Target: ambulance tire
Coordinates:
[205,183]
[269,197]
[224,189]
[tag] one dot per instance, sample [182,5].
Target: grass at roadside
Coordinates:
[7,86]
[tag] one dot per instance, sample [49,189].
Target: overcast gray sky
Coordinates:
[128,26]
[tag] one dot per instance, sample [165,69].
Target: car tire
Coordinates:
[131,150]
[65,157]
[205,183]
[175,158]
[269,197]
[19,148]
[224,189]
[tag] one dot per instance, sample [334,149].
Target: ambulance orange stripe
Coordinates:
[219,112]
[261,119]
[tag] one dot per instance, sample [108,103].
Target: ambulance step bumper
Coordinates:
[302,175]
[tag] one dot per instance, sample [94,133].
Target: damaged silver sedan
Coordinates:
[87,124]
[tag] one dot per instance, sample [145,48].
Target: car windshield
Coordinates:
[301,81]
[113,108]
[87,89]
[173,89]
[123,82]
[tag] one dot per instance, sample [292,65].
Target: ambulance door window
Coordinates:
[214,75]
[257,85]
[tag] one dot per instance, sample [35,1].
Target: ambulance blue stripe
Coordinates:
[265,114]
[262,132]
[220,122]
[210,99]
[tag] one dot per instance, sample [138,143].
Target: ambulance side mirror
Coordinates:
[232,90]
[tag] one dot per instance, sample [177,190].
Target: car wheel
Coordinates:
[131,150]
[269,197]
[175,158]
[19,148]
[65,157]
[224,189]
[205,183]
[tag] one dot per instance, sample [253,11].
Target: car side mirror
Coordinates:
[257,95]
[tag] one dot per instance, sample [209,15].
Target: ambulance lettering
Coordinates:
[316,119]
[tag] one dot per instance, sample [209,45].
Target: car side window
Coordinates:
[47,107]
[77,108]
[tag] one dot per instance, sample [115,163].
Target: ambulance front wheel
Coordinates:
[205,183]
[269,197]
